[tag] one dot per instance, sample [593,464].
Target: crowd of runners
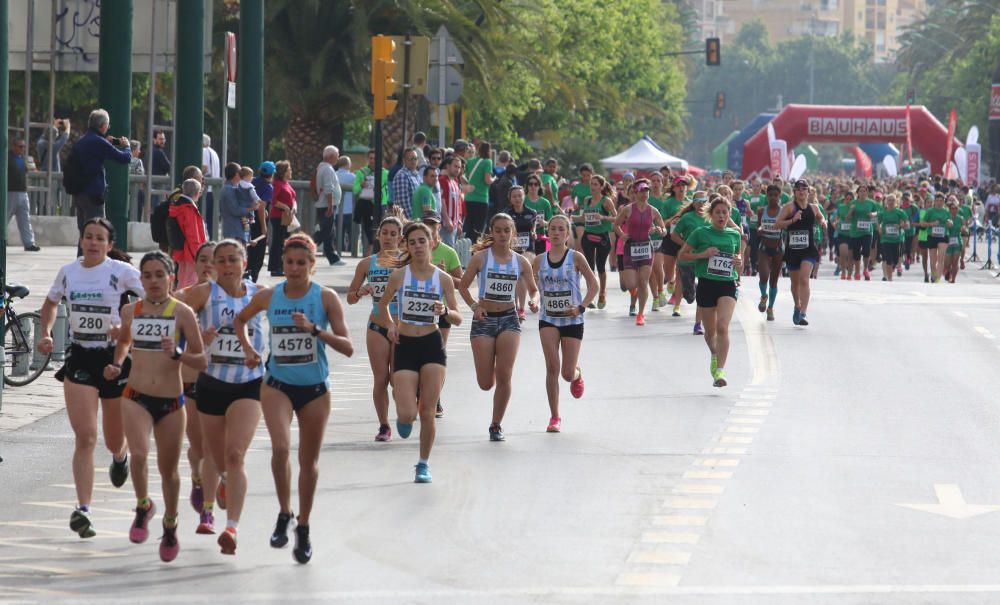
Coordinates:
[210,360]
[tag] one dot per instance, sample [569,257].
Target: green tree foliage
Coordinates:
[754,72]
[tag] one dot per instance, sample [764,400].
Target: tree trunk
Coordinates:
[305,138]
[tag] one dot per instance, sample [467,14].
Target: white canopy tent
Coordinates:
[644,155]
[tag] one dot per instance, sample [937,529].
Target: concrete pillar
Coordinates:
[250,85]
[115,95]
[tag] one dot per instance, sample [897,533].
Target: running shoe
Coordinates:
[207,524]
[670,287]
[384,433]
[836,271]
[675,299]
[220,493]
[857,275]
[713,365]
[576,387]
[601,302]
[439,411]
[139,532]
[796,315]
[906,264]
[662,299]
[422,474]
[770,315]
[197,496]
[899,271]
[868,275]
[591,306]
[802,320]
[849,278]
[698,331]
[496,433]
[926,279]
[227,541]
[677,310]
[79,521]
[169,546]
[555,425]
[404,428]
[640,320]
[762,305]
[720,378]
[884,278]
[303,550]
[631,311]
[279,537]
[118,471]
[844,277]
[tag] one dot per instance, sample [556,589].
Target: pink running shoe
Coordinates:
[207,524]
[576,387]
[220,494]
[227,541]
[169,546]
[555,424]
[384,433]
[139,531]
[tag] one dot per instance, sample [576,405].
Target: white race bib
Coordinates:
[592,219]
[864,225]
[378,284]
[291,346]
[147,332]
[798,240]
[953,240]
[522,241]
[892,230]
[937,231]
[558,303]
[418,306]
[226,348]
[845,226]
[500,287]
[90,323]
[753,217]
[721,264]
[640,251]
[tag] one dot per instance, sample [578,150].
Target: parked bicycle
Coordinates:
[22,362]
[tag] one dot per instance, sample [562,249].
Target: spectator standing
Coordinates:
[159,162]
[135,168]
[405,183]
[212,169]
[365,212]
[452,202]
[59,134]
[424,202]
[346,179]
[282,206]
[479,173]
[236,205]
[17,194]
[550,181]
[329,191]
[500,189]
[420,146]
[189,222]
[91,150]
[503,160]
[263,185]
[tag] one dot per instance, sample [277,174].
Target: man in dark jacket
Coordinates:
[17,194]
[92,149]
[500,189]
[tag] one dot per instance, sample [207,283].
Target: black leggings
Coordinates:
[279,233]
[475,219]
[597,252]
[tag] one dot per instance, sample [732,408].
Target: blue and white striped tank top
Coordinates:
[225,354]
[295,356]
[378,277]
[497,281]
[560,288]
[417,298]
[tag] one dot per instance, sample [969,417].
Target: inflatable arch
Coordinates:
[849,125]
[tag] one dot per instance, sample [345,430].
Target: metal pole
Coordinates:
[4,87]
[442,70]
[406,86]
[146,208]
[115,95]
[189,118]
[250,88]
[225,115]
[52,110]
[29,64]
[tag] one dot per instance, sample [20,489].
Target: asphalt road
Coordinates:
[853,461]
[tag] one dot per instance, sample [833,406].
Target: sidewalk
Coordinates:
[37,270]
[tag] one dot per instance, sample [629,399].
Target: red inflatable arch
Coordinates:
[848,124]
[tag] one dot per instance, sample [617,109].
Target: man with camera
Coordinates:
[83,174]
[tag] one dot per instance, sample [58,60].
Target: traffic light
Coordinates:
[383,86]
[911,96]
[713,51]
[720,103]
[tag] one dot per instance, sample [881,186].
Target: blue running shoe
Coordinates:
[423,474]
[496,433]
[796,315]
[802,320]
[404,428]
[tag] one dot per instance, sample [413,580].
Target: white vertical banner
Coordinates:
[779,158]
[973,159]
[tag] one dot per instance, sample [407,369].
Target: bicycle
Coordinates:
[22,362]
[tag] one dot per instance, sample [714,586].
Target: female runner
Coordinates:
[370,279]
[686,222]
[597,217]
[667,254]
[800,218]
[634,224]
[156,329]
[771,252]
[560,322]
[937,220]
[92,286]
[525,220]
[420,356]
[496,331]
[299,311]
[228,392]
[715,252]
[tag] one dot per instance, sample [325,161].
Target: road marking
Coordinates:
[648,579]
[745,412]
[740,440]
[689,503]
[753,404]
[736,451]
[707,475]
[741,420]
[952,504]
[718,462]
[669,537]
[660,557]
[680,520]
[698,488]
[742,429]
[984,332]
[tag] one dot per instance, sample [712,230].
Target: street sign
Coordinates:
[231,95]
[452,56]
[231,57]
[453,84]
[415,81]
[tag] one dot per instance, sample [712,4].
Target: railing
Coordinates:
[61,203]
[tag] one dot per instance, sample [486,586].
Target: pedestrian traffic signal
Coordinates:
[911,96]
[720,103]
[383,85]
[713,51]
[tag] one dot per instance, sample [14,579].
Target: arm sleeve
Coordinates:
[359,181]
[231,203]
[110,152]
[130,280]
[337,192]
[58,289]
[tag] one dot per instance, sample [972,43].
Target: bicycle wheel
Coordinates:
[19,351]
